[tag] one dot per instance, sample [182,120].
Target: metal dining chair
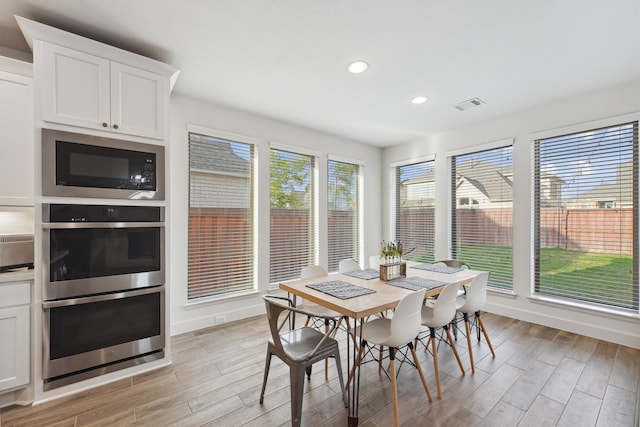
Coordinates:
[438,314]
[397,334]
[317,312]
[299,349]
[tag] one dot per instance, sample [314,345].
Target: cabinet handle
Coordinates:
[115,126]
[104,124]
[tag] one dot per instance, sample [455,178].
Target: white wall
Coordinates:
[601,104]
[186,111]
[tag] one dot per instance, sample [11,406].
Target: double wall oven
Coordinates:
[103,271]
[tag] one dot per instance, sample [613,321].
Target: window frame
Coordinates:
[314,210]
[394,193]
[569,130]
[253,200]
[359,223]
[451,204]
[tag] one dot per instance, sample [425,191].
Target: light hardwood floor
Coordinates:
[539,377]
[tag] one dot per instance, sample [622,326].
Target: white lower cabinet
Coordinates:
[14,335]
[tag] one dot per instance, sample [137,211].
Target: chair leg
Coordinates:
[419,368]
[468,330]
[394,385]
[436,368]
[267,363]
[484,331]
[308,370]
[326,361]
[296,375]
[356,363]
[339,369]
[453,347]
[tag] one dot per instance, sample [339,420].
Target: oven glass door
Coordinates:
[84,333]
[90,258]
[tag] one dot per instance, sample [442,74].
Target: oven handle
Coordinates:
[70,225]
[97,298]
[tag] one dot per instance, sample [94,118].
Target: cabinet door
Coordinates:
[16,141]
[76,88]
[14,351]
[138,102]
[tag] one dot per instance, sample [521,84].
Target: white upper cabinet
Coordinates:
[16,142]
[84,83]
[84,90]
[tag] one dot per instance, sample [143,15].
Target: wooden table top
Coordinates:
[385,297]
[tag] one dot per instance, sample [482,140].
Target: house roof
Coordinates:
[214,155]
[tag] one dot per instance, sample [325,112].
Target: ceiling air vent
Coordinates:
[469,103]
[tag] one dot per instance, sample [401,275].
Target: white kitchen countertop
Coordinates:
[16,275]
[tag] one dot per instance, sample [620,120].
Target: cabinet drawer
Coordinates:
[15,293]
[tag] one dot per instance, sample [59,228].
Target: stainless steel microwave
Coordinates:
[77,165]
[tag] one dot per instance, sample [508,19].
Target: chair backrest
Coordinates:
[312,271]
[476,293]
[405,323]
[374,261]
[347,265]
[276,307]
[444,308]
[453,263]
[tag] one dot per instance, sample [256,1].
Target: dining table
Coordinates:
[361,293]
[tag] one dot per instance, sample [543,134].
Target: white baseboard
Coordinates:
[620,331]
[209,320]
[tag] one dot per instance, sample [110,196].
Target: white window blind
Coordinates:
[586,216]
[415,204]
[220,217]
[343,215]
[292,197]
[482,217]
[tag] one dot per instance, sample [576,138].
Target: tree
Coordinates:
[289,179]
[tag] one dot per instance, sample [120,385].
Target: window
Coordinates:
[482,212]
[343,214]
[415,205]
[292,198]
[586,238]
[221,259]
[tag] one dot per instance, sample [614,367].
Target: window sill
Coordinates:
[217,299]
[583,307]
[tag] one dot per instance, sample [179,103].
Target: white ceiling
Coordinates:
[287,59]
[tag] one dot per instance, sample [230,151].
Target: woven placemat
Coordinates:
[438,268]
[340,289]
[367,274]
[416,283]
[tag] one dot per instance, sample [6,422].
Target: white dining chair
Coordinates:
[396,334]
[470,303]
[374,261]
[438,314]
[348,265]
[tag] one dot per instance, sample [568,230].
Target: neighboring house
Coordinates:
[479,185]
[608,196]
[214,173]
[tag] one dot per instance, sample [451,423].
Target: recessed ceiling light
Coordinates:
[357,67]
[420,99]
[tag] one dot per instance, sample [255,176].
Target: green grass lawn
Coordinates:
[594,277]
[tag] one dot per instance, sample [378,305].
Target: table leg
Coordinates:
[354,386]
